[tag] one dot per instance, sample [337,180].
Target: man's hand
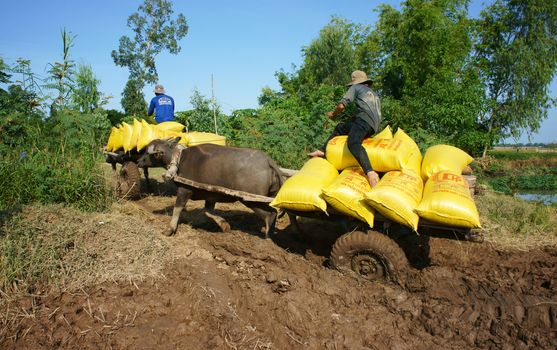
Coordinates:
[338,110]
[372,178]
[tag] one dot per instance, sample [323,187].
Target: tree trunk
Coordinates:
[489,130]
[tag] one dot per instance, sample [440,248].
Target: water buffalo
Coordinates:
[241,169]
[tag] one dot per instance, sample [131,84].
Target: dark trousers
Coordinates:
[357,130]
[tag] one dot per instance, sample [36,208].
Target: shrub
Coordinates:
[72,177]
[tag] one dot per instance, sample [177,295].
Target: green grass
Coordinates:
[522,155]
[508,172]
[31,254]
[510,221]
[74,178]
[510,184]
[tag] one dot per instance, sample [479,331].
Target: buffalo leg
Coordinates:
[146,174]
[221,222]
[294,223]
[209,205]
[182,197]
[210,213]
[270,218]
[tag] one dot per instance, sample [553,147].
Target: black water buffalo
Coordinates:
[241,169]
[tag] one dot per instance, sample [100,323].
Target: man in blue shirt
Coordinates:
[162,105]
[364,124]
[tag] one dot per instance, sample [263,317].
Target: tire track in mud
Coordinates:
[236,290]
[500,299]
[467,296]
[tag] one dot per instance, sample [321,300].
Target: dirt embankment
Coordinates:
[238,291]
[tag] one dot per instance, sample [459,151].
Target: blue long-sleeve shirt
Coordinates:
[164,107]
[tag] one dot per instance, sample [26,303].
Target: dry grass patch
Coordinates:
[68,249]
[53,248]
[515,223]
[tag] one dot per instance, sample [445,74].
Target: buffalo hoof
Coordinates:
[265,234]
[224,226]
[168,232]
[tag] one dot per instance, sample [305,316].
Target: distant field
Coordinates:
[523,154]
[510,171]
[525,149]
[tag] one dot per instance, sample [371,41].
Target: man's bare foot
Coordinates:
[317,153]
[372,178]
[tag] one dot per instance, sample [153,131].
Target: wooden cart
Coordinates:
[128,178]
[367,253]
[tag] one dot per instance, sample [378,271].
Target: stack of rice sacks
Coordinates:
[447,199]
[399,196]
[139,134]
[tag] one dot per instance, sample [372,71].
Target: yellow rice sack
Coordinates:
[414,162]
[396,196]
[127,133]
[339,155]
[136,131]
[115,139]
[385,155]
[184,138]
[197,138]
[167,134]
[170,126]
[447,201]
[148,134]
[346,194]
[118,140]
[302,192]
[386,133]
[444,158]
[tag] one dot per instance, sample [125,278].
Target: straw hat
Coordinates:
[159,89]
[358,77]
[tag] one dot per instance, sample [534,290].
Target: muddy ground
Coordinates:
[236,290]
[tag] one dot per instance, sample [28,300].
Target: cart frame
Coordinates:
[365,252]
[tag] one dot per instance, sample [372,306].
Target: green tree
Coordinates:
[20,116]
[29,81]
[85,95]
[133,99]
[200,117]
[154,31]
[517,52]
[331,57]
[114,116]
[429,85]
[60,73]
[78,130]
[4,75]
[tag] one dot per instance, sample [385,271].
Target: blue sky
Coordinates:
[241,43]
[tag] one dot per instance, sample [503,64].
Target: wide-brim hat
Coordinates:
[358,77]
[159,89]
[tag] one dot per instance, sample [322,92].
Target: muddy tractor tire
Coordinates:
[128,181]
[371,256]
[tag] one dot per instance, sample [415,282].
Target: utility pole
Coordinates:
[213,101]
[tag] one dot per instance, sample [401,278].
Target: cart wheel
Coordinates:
[371,256]
[128,181]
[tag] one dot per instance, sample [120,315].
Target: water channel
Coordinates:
[544,197]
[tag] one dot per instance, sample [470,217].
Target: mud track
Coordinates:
[237,291]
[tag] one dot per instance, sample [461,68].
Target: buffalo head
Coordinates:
[158,153]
